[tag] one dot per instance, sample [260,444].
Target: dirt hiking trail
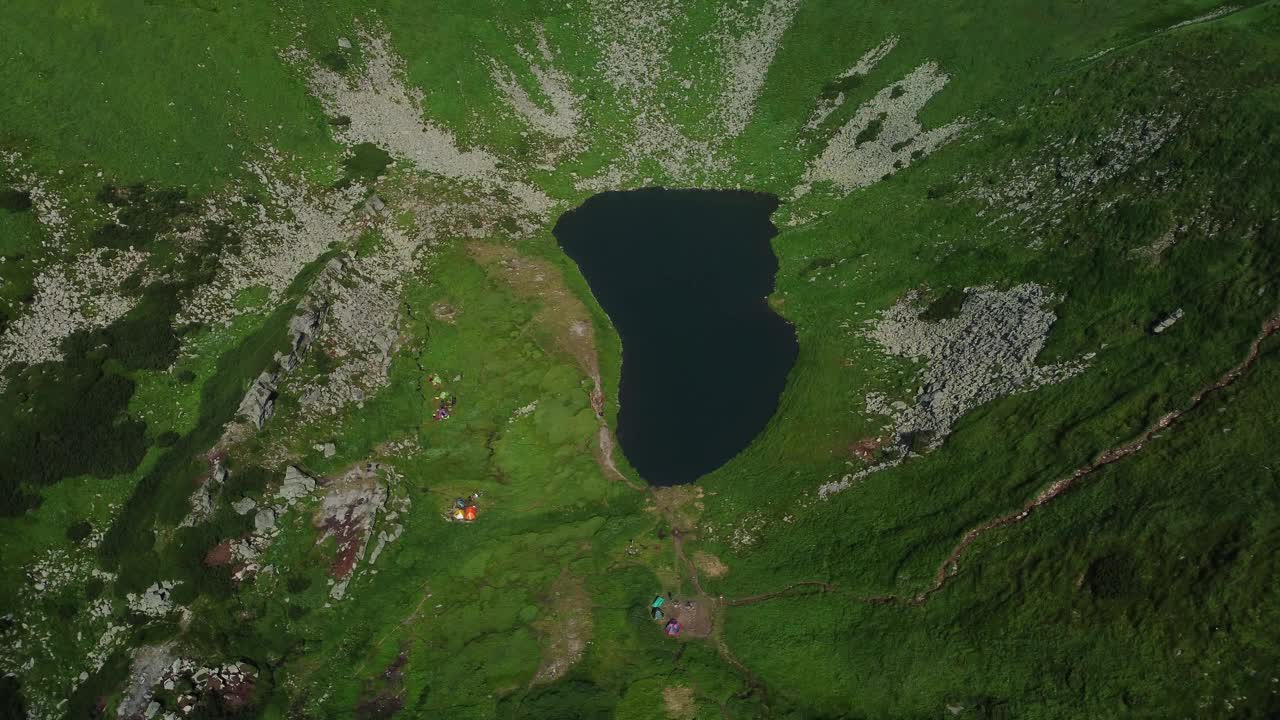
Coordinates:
[563,317]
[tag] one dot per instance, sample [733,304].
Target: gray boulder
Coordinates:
[303,330]
[265,520]
[1167,322]
[260,402]
[296,484]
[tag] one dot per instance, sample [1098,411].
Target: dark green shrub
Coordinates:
[144,338]
[366,163]
[15,200]
[144,215]
[1112,576]
[841,85]
[947,306]
[132,284]
[78,531]
[12,705]
[871,131]
[939,190]
[66,419]
[568,699]
[335,61]
[248,480]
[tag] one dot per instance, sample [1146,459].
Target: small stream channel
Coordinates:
[684,276]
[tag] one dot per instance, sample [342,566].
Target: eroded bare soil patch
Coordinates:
[563,629]
[564,318]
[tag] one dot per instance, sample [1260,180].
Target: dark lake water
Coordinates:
[684,274]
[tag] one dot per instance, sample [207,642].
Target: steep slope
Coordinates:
[249,251]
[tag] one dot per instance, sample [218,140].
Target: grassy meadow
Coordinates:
[1148,590]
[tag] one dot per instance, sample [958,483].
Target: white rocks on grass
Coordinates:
[871,58]
[386,112]
[50,208]
[1212,15]
[363,297]
[560,116]
[850,479]
[747,62]
[524,411]
[857,155]
[681,157]
[244,506]
[1157,249]
[280,241]
[657,139]
[634,42]
[632,35]
[155,601]
[1069,170]
[82,294]
[868,62]
[366,315]
[985,353]
[149,664]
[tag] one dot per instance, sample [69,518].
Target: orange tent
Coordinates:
[470,513]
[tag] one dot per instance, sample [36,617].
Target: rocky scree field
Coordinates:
[1021,468]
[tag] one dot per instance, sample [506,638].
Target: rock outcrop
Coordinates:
[265,520]
[297,484]
[1167,322]
[259,404]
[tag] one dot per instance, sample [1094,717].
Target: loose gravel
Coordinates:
[987,352]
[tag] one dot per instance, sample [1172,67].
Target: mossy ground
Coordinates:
[1147,591]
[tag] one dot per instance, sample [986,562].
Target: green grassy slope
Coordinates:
[1147,591]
